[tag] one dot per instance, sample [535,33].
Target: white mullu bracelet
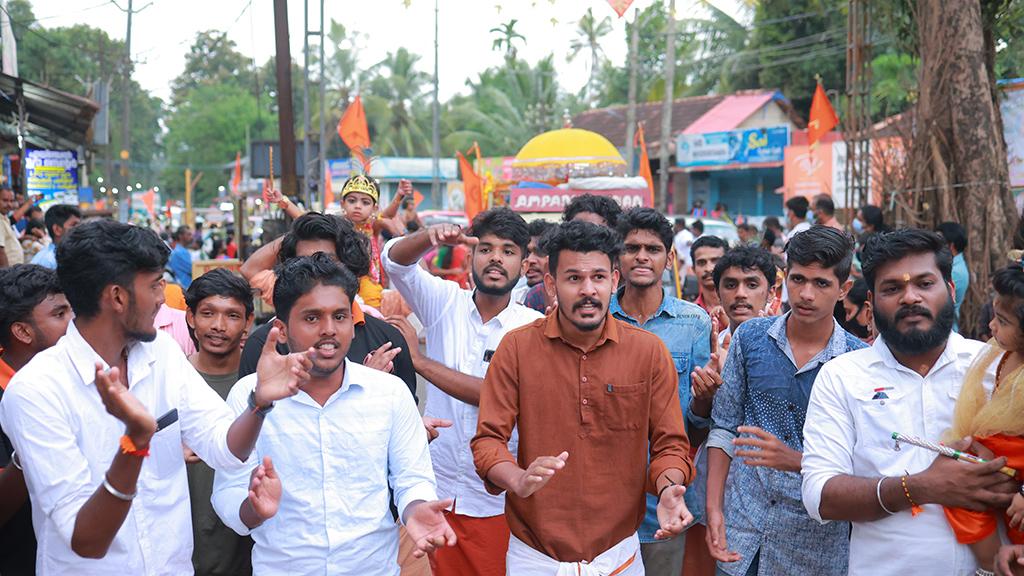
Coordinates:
[117,493]
[878,493]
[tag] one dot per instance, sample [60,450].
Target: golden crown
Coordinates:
[361,183]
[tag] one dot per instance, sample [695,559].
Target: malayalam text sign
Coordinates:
[52,174]
[732,147]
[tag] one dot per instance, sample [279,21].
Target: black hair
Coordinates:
[579,236]
[746,258]
[747,227]
[885,247]
[32,225]
[58,214]
[298,276]
[22,288]
[603,206]
[503,223]
[219,282]
[97,254]
[798,205]
[772,222]
[681,222]
[954,234]
[858,293]
[824,203]
[698,226]
[179,233]
[822,245]
[539,227]
[1008,282]
[873,216]
[351,247]
[646,219]
[706,242]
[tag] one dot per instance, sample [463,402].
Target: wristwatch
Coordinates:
[261,412]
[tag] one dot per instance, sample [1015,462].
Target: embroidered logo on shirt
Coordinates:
[880,393]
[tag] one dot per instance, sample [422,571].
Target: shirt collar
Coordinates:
[954,349]
[358,316]
[503,317]
[669,306]
[84,358]
[610,330]
[836,343]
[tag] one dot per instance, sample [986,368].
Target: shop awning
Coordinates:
[734,166]
[729,113]
[54,119]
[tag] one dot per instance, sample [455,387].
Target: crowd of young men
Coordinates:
[578,418]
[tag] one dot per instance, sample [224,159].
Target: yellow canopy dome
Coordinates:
[568,146]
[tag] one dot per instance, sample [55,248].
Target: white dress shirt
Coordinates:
[457,338]
[335,463]
[858,401]
[66,440]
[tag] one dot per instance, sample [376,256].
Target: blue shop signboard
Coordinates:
[53,174]
[750,146]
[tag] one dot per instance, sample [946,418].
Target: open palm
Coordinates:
[428,528]
[265,489]
[278,376]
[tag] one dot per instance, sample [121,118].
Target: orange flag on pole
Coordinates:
[620,6]
[236,178]
[353,130]
[472,186]
[823,117]
[328,188]
[645,161]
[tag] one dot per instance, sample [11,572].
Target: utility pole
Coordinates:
[634,48]
[665,150]
[435,184]
[321,157]
[126,127]
[306,124]
[857,124]
[285,113]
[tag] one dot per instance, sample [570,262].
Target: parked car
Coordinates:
[431,217]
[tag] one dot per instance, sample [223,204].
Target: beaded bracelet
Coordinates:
[914,508]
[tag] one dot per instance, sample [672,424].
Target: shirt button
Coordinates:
[584,401]
[584,357]
[773,502]
[584,379]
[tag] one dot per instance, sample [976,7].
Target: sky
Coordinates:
[163,31]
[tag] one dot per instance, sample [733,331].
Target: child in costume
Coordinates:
[359,199]
[995,421]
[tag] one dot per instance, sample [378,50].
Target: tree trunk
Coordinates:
[634,50]
[959,136]
[667,143]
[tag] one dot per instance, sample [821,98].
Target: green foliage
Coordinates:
[212,60]
[505,39]
[893,84]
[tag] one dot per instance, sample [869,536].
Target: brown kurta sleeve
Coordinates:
[499,409]
[670,448]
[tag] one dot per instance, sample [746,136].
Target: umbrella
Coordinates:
[567,153]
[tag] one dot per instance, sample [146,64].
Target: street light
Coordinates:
[128,188]
[114,190]
[220,188]
[100,179]
[137,185]
[103,189]
[156,188]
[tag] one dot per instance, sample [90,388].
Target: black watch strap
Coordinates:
[261,412]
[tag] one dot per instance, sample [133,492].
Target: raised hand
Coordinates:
[278,376]
[405,188]
[673,515]
[123,405]
[265,490]
[427,527]
[382,358]
[412,340]
[769,452]
[274,196]
[432,425]
[715,538]
[450,235]
[539,473]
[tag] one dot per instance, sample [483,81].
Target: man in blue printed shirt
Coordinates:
[758,525]
[685,330]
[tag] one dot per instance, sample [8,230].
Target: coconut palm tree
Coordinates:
[397,113]
[507,36]
[588,37]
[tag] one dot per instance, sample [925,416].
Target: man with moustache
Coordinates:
[463,329]
[756,521]
[99,419]
[323,467]
[597,407]
[908,382]
[705,252]
[684,328]
[220,309]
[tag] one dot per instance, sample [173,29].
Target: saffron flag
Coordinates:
[236,178]
[823,117]
[353,131]
[472,187]
[645,161]
[620,6]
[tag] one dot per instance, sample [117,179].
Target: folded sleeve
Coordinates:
[499,410]
[427,295]
[727,409]
[231,486]
[410,471]
[38,422]
[669,445]
[205,418]
[700,355]
[829,438]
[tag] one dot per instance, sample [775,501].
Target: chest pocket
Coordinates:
[624,406]
[882,410]
[683,368]
[166,453]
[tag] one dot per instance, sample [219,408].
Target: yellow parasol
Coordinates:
[567,153]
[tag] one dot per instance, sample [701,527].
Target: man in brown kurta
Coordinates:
[594,400]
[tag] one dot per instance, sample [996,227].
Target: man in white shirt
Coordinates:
[907,382]
[349,434]
[681,242]
[796,215]
[463,329]
[104,464]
